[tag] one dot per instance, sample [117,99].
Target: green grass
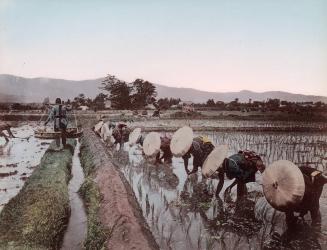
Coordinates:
[97,234]
[37,216]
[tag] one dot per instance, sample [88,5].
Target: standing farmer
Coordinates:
[58,114]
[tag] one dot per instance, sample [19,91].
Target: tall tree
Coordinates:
[119,92]
[99,101]
[79,100]
[144,93]
[211,103]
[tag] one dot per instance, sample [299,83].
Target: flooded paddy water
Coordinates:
[18,159]
[217,123]
[183,213]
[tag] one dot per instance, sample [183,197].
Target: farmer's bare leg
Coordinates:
[221,177]
[229,188]
[5,136]
[158,160]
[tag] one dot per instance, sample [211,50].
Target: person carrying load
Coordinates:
[289,188]
[58,114]
[184,145]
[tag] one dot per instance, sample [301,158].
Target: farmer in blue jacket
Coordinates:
[241,166]
[58,114]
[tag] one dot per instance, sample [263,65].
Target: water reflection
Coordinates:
[183,213]
[301,237]
[18,159]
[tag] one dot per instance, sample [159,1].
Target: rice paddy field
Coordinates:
[18,159]
[183,212]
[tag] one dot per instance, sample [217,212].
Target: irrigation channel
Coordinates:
[77,226]
[183,213]
[19,158]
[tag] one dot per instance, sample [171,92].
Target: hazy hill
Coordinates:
[20,89]
[243,96]
[36,89]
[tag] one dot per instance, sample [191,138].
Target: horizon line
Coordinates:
[160,84]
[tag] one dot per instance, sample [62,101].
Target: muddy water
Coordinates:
[226,123]
[183,213]
[18,159]
[77,226]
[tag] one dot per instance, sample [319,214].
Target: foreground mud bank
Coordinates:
[113,212]
[37,217]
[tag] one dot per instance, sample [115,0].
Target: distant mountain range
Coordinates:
[20,89]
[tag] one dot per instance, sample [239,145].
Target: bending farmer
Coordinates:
[165,148]
[241,166]
[201,147]
[6,127]
[314,182]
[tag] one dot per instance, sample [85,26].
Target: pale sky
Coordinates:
[218,45]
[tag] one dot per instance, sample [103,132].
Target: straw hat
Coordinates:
[98,126]
[214,160]
[151,144]
[283,185]
[181,141]
[105,131]
[134,136]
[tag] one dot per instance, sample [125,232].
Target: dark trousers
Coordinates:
[63,136]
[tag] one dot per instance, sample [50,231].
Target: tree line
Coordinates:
[263,106]
[140,93]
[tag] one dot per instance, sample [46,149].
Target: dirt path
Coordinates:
[119,211]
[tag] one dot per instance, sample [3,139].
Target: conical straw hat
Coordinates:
[98,126]
[105,131]
[181,141]
[283,185]
[151,144]
[134,136]
[214,160]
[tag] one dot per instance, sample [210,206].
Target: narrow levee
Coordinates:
[77,225]
[115,219]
